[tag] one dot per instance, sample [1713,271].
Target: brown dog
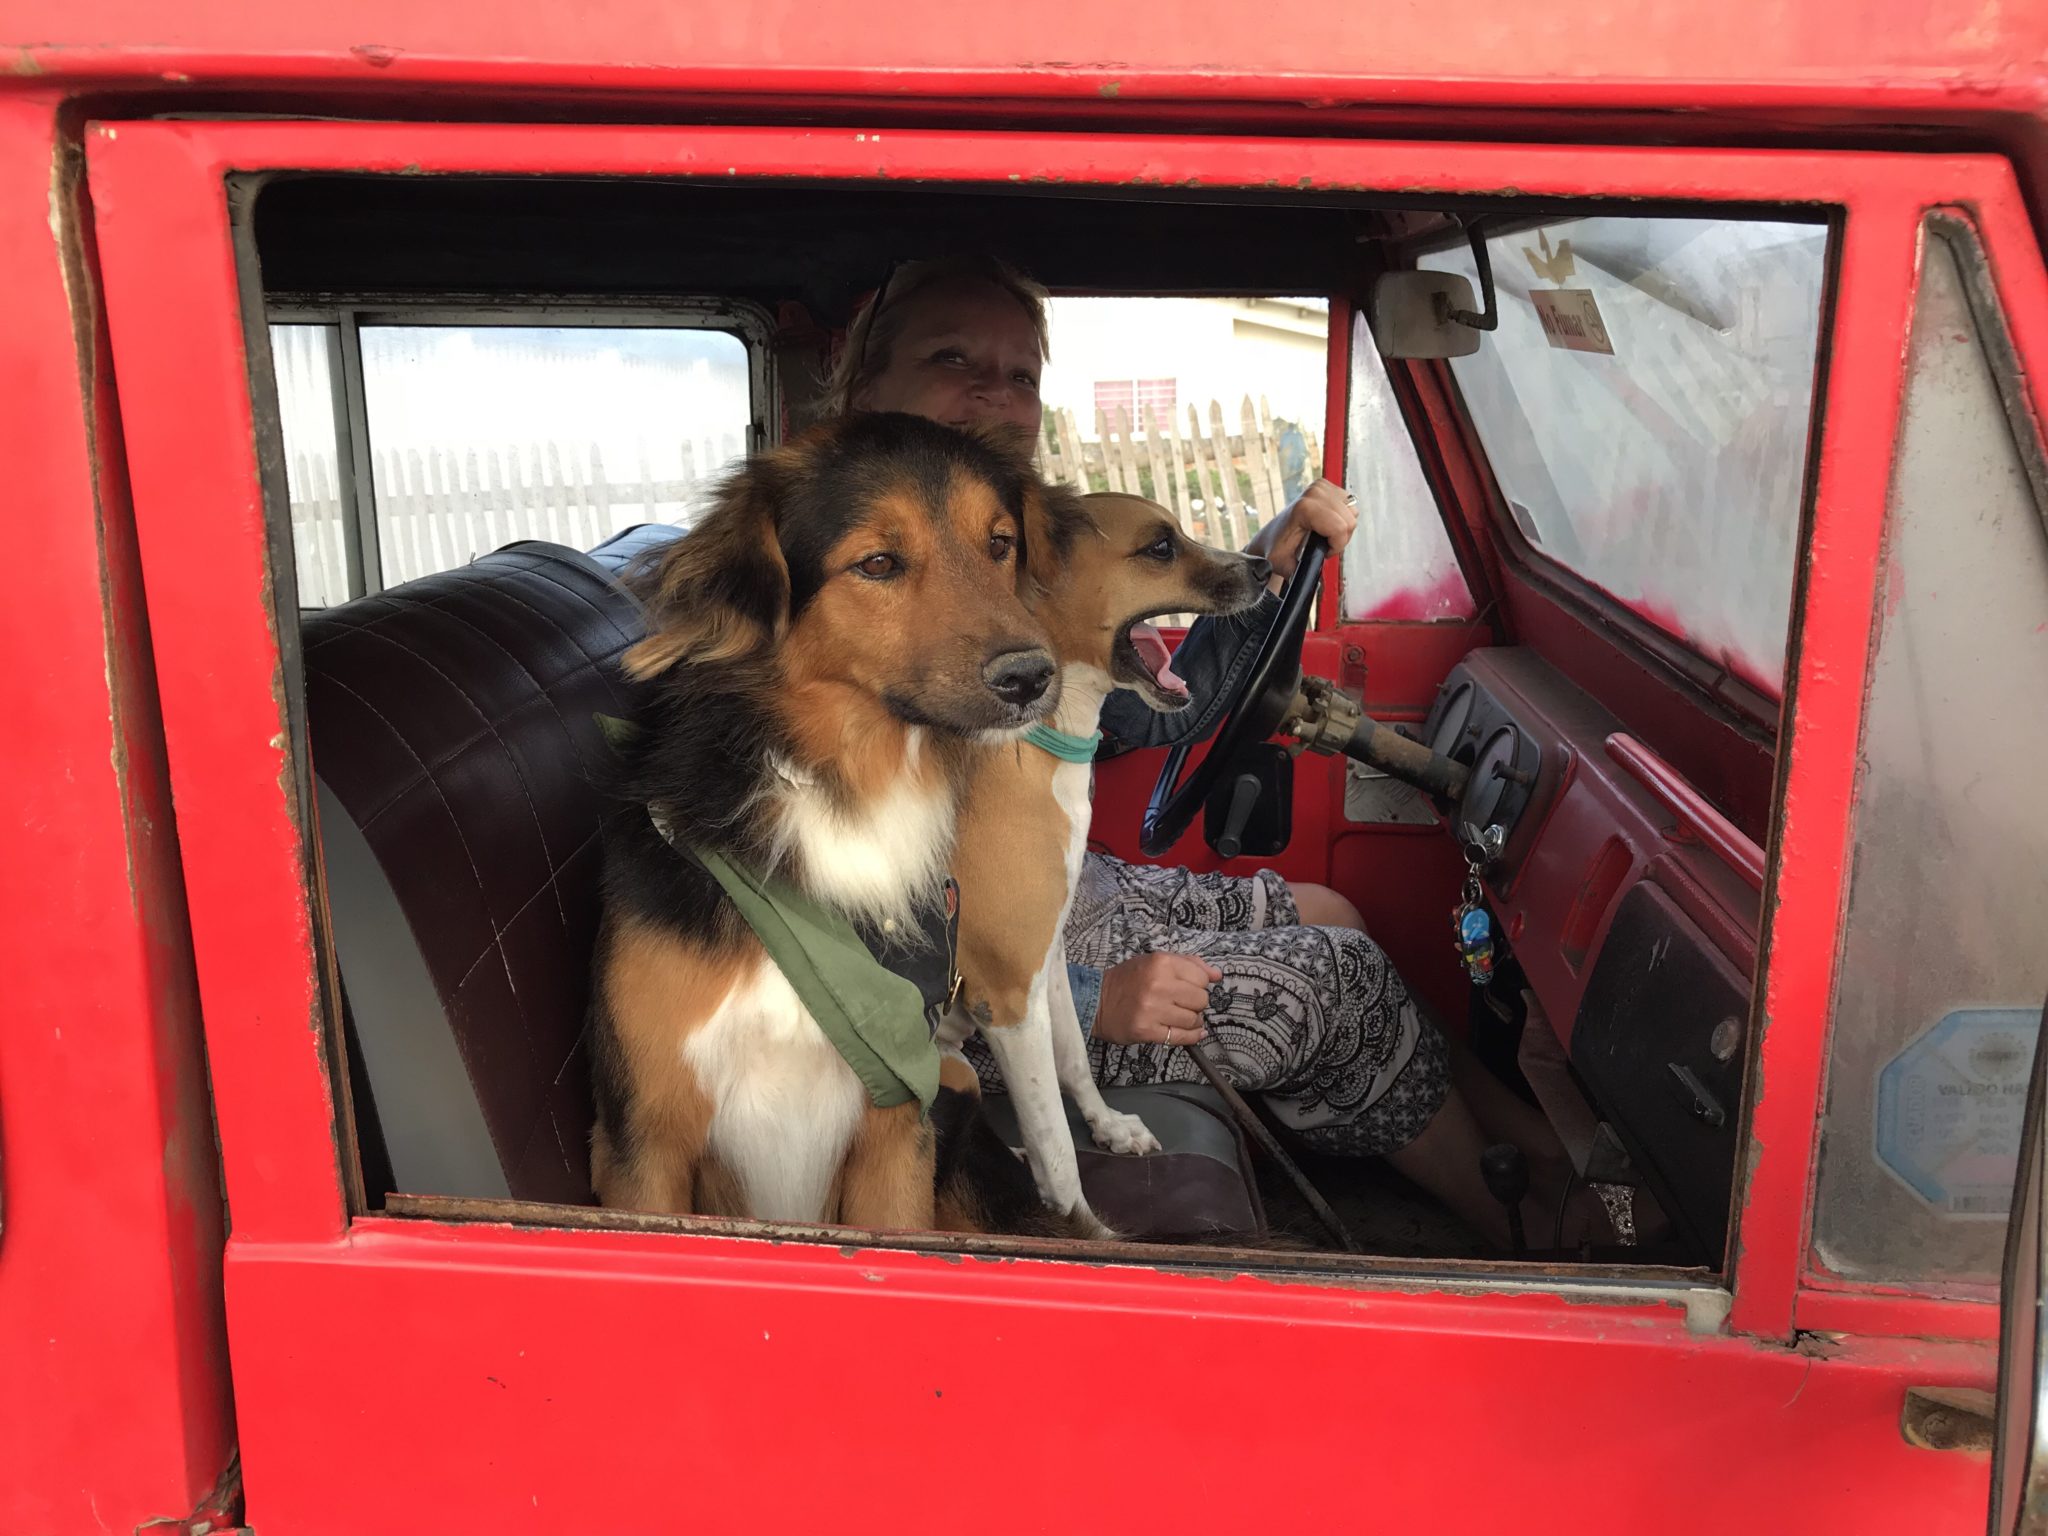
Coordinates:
[1024,826]
[827,654]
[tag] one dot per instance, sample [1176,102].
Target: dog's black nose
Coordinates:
[1261,569]
[1018,678]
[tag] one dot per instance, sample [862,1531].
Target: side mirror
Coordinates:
[1411,315]
[2019,1447]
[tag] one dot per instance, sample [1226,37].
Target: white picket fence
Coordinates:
[439,509]
[1223,486]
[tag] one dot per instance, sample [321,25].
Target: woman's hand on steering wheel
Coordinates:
[1325,508]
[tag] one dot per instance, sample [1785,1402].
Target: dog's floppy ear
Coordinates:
[1054,517]
[1016,446]
[721,592]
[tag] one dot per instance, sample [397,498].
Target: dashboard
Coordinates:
[1469,724]
[1631,906]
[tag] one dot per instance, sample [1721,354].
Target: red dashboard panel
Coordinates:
[1592,828]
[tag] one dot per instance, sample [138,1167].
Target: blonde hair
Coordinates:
[871,338]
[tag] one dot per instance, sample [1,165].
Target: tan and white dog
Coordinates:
[1094,583]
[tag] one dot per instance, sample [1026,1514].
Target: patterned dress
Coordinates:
[1314,1020]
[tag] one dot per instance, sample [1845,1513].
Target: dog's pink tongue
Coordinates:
[1157,658]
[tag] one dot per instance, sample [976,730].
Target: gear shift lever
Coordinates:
[1506,1173]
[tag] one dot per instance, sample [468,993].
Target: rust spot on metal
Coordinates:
[376,55]
[219,1511]
[1109,90]
[1949,1419]
[24,62]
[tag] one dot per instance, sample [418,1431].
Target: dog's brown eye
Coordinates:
[1161,549]
[879,567]
[1001,546]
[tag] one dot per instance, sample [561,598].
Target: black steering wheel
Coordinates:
[1254,709]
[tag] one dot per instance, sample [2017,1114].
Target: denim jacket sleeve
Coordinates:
[1213,660]
[1086,983]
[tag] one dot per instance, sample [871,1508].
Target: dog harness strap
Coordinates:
[873,1017]
[1064,745]
[926,956]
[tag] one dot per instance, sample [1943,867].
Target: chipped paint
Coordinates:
[1700,1305]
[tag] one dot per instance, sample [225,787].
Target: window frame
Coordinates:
[1990,292]
[750,323]
[180,311]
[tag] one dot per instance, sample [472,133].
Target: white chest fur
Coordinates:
[876,858]
[785,1105]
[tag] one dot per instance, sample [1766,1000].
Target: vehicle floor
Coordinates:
[1390,1217]
[1386,1214]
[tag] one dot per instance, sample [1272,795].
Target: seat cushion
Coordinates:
[1200,1186]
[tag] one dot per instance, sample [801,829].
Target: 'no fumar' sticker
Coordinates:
[1571,319]
[1950,1106]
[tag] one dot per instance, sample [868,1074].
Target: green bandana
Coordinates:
[873,1017]
[1066,747]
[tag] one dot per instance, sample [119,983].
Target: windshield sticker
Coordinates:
[1949,1108]
[1553,266]
[1571,319]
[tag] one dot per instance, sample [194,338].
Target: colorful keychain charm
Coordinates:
[1474,929]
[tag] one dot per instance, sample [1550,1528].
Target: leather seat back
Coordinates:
[459,763]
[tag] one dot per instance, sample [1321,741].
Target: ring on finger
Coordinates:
[1169,1034]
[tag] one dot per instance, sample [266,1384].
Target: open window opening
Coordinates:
[493,394]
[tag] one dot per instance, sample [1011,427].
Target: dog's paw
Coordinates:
[1084,1223]
[1116,1131]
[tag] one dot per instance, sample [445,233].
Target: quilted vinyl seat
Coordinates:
[457,759]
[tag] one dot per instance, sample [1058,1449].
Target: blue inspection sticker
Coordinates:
[1950,1107]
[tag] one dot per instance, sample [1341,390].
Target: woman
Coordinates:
[1303,1006]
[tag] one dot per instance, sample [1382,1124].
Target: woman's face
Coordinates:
[965,354]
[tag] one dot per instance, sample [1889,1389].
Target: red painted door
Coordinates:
[527,1367]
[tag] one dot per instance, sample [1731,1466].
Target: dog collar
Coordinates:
[1065,746]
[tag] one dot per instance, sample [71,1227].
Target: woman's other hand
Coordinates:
[1155,1000]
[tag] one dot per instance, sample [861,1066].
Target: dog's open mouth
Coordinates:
[1142,659]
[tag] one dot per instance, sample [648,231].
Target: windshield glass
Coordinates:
[1644,406]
